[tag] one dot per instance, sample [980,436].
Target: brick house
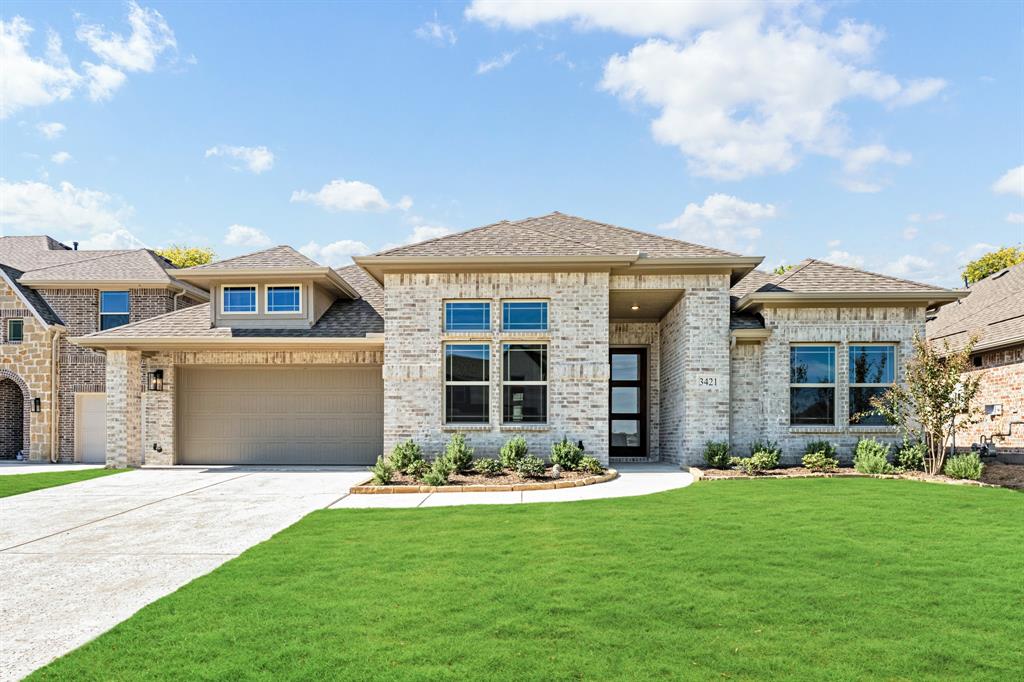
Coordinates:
[994,313]
[641,346]
[50,293]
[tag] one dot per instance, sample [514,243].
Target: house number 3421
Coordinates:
[709,381]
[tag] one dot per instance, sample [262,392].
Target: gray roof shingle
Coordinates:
[994,310]
[44,259]
[816,276]
[274,257]
[34,299]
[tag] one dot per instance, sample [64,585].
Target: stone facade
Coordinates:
[1002,383]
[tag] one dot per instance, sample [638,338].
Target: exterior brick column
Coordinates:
[124,408]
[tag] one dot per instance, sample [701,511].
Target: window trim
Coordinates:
[266,299]
[484,301]
[834,385]
[547,315]
[546,383]
[99,308]
[10,322]
[445,384]
[256,299]
[850,385]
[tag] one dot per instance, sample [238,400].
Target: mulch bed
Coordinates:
[1005,475]
[995,473]
[507,478]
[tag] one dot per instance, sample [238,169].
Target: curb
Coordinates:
[366,489]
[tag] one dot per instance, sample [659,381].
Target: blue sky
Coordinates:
[882,135]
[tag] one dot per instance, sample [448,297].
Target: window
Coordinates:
[524,383]
[524,316]
[114,307]
[812,385]
[284,299]
[15,331]
[238,299]
[872,373]
[467,372]
[467,316]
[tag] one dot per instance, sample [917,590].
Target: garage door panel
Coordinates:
[280,415]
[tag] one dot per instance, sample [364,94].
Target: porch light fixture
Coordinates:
[37,404]
[156,380]
[634,307]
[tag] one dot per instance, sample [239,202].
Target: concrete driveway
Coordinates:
[78,559]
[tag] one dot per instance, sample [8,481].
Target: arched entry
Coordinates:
[15,412]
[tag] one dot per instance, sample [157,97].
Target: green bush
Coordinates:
[513,451]
[759,462]
[590,465]
[820,461]
[438,473]
[405,455]
[872,457]
[382,471]
[488,466]
[566,454]
[531,467]
[910,456]
[820,446]
[716,454]
[417,470]
[768,446]
[458,454]
[967,466]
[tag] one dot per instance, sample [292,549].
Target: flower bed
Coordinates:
[1004,480]
[477,483]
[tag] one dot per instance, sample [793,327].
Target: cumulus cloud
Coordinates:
[1011,182]
[60,158]
[243,235]
[36,206]
[335,254]
[52,130]
[27,81]
[724,221]
[436,32]
[103,80]
[498,63]
[150,36]
[404,204]
[255,159]
[345,195]
[912,266]
[845,258]
[115,239]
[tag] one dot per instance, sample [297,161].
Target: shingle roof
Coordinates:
[36,302]
[44,259]
[751,282]
[274,257]
[994,310]
[366,286]
[816,276]
[555,234]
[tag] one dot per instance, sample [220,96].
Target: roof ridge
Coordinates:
[108,254]
[792,271]
[251,254]
[105,332]
[645,234]
[878,274]
[443,236]
[559,236]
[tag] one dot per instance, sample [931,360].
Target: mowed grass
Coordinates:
[800,579]
[16,484]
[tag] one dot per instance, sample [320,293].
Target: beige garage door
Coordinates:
[91,427]
[280,415]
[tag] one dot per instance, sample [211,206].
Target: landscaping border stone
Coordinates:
[699,475]
[366,489]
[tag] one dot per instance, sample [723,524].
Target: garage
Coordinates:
[91,428]
[307,415]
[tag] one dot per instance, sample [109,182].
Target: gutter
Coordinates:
[863,297]
[373,342]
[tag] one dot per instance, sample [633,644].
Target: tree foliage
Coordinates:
[782,269]
[992,262]
[186,256]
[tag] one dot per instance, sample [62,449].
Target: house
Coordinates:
[640,346]
[50,293]
[994,314]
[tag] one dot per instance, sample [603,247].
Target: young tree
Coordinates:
[186,256]
[992,262]
[935,400]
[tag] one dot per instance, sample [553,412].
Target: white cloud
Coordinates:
[499,63]
[420,233]
[910,233]
[405,203]
[845,258]
[38,207]
[115,239]
[335,254]
[52,130]
[60,158]
[1012,182]
[723,221]
[103,80]
[150,36]
[255,159]
[343,195]
[916,91]
[436,32]
[861,159]
[27,81]
[911,266]
[1015,218]
[243,235]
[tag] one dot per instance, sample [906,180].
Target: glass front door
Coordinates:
[627,403]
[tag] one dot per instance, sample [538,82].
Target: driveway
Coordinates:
[78,559]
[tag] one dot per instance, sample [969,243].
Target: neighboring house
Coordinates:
[641,346]
[994,313]
[48,294]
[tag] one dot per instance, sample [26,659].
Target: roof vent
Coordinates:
[75,244]
[1000,273]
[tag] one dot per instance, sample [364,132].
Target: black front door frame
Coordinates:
[641,383]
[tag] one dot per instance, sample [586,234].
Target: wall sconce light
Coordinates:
[37,404]
[156,380]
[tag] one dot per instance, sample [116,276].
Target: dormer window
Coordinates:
[238,299]
[284,298]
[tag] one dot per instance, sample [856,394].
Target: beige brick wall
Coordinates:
[746,387]
[1002,383]
[124,408]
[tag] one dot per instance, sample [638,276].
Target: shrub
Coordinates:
[910,456]
[716,454]
[768,446]
[417,469]
[488,466]
[590,465]
[405,454]
[513,451]
[530,467]
[458,454]
[872,457]
[760,461]
[820,446]
[566,454]
[820,461]
[382,471]
[438,473]
[967,466]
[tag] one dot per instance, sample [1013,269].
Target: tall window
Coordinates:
[467,371]
[114,309]
[524,316]
[238,299]
[467,316]
[812,385]
[15,331]
[872,373]
[524,383]
[284,298]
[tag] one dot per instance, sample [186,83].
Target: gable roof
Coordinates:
[35,303]
[994,311]
[282,256]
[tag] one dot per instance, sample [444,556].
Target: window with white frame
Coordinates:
[284,298]
[15,330]
[812,385]
[872,373]
[467,316]
[238,299]
[115,307]
[467,383]
[524,383]
[524,316]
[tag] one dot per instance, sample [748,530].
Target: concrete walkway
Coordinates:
[8,468]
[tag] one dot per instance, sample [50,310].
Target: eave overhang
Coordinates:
[760,299]
[109,284]
[368,342]
[326,275]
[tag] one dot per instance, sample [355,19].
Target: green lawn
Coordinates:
[799,579]
[16,484]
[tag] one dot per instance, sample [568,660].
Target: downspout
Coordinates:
[174,302]
[54,394]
